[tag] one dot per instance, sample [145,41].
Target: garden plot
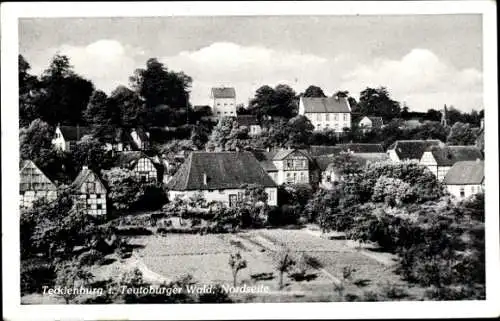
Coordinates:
[301,241]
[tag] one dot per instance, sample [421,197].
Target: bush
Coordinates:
[133,231]
[35,274]
[90,258]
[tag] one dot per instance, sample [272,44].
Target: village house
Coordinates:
[220,176]
[118,140]
[465,179]
[330,173]
[143,166]
[34,184]
[140,139]
[368,123]
[90,193]
[251,122]
[286,166]
[66,137]
[404,150]
[223,102]
[318,150]
[439,159]
[326,113]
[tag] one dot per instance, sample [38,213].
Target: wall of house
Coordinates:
[274,176]
[92,196]
[335,121]
[146,170]
[294,169]
[58,140]
[365,122]
[429,161]
[461,192]
[223,195]
[255,130]
[393,156]
[224,107]
[27,199]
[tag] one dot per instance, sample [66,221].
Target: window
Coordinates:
[318,117]
[289,163]
[336,117]
[99,206]
[98,196]
[345,117]
[218,113]
[221,191]
[462,192]
[327,117]
[143,178]
[240,196]
[218,104]
[328,178]
[232,200]
[225,104]
[302,178]
[472,189]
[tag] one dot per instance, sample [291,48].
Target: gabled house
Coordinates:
[439,159]
[465,179]
[404,150]
[223,102]
[90,192]
[289,166]
[66,137]
[327,113]
[368,123]
[34,184]
[143,166]
[251,122]
[220,176]
[140,139]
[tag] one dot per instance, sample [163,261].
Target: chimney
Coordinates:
[204,179]
[85,167]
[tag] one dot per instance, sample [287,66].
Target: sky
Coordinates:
[425,61]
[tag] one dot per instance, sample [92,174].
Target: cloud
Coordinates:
[419,78]
[422,80]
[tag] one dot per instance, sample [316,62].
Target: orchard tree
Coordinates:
[378,102]
[221,133]
[237,263]
[314,91]
[298,130]
[283,262]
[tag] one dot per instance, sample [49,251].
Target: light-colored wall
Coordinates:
[145,167]
[223,195]
[468,190]
[255,130]
[224,106]
[89,200]
[335,121]
[30,196]
[297,173]
[365,122]
[58,140]
[393,156]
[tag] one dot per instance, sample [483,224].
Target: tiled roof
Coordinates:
[449,155]
[225,92]
[465,173]
[83,177]
[362,148]
[247,120]
[318,150]
[33,179]
[222,169]
[412,149]
[74,133]
[365,158]
[325,105]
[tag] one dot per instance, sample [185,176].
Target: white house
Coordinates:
[465,179]
[251,122]
[327,113]
[90,192]
[368,123]
[140,139]
[403,150]
[286,165]
[34,184]
[143,166]
[66,137]
[220,176]
[439,159]
[223,102]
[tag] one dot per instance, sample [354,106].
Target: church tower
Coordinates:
[444,117]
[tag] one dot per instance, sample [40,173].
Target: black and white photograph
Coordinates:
[229,156]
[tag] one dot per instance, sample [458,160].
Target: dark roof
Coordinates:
[223,170]
[365,158]
[268,166]
[247,120]
[362,148]
[465,173]
[318,150]
[323,161]
[325,105]
[74,133]
[225,92]
[128,159]
[377,121]
[83,176]
[412,149]
[449,155]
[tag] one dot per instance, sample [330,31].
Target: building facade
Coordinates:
[465,179]
[368,123]
[140,164]
[405,150]
[223,102]
[439,159]
[251,123]
[327,113]
[34,185]
[89,193]
[66,137]
[286,166]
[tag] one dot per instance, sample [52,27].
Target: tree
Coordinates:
[278,101]
[283,262]
[237,263]
[124,188]
[97,109]
[29,94]
[221,133]
[35,138]
[65,95]
[314,91]
[377,102]
[392,191]
[159,86]
[70,277]
[90,152]
[129,105]
[298,130]
[461,134]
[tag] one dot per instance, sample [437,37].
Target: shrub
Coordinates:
[90,258]
[133,231]
[35,274]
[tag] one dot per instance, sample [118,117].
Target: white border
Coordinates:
[10,12]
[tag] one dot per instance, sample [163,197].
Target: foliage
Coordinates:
[129,105]
[237,263]
[461,134]
[378,102]
[35,274]
[71,275]
[283,262]
[90,152]
[391,191]
[277,101]
[314,91]
[124,187]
